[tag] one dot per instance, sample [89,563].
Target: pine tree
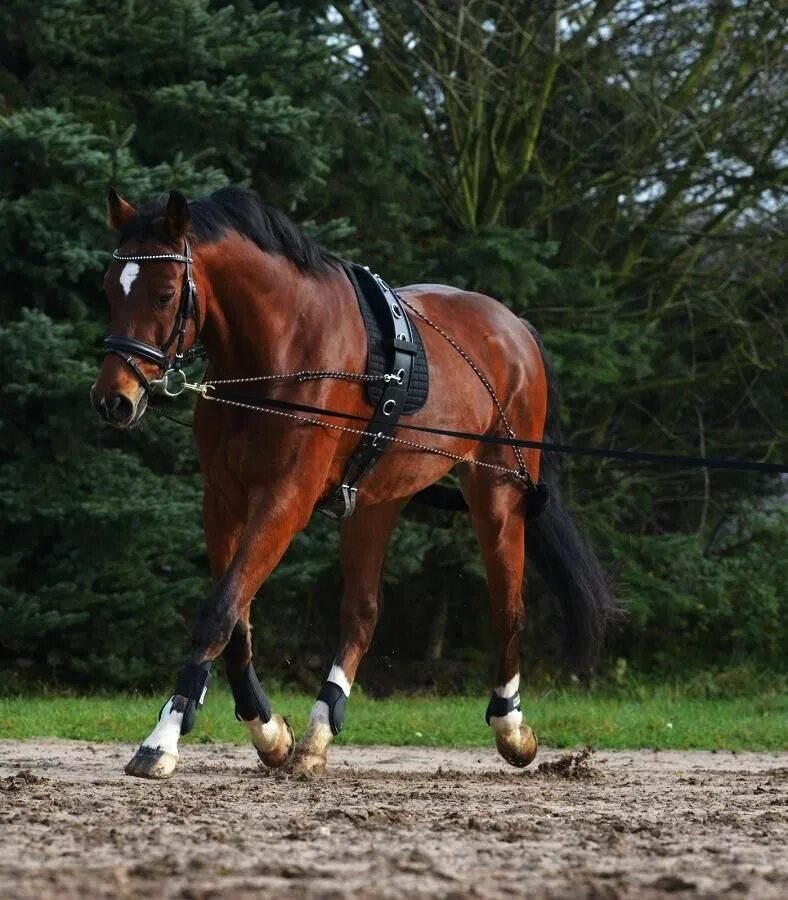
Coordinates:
[99,584]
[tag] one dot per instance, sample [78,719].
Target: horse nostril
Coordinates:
[98,403]
[119,408]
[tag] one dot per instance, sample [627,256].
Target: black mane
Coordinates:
[238,209]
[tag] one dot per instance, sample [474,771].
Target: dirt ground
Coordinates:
[392,822]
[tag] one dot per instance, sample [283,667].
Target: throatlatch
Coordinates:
[250,699]
[193,685]
[334,697]
[501,706]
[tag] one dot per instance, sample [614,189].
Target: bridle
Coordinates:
[173,377]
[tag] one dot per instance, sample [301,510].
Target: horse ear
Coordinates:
[176,217]
[119,212]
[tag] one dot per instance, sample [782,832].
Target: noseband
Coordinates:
[173,378]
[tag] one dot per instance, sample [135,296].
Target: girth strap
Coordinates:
[398,340]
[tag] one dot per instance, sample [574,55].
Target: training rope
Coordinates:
[479,374]
[290,410]
[414,445]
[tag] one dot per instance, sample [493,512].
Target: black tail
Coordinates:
[561,554]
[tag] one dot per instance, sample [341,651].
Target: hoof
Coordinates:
[517,747]
[309,765]
[283,749]
[150,763]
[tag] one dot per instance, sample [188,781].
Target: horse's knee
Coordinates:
[216,621]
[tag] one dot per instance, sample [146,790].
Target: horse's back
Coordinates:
[487,329]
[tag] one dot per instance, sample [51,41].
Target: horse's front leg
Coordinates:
[271,735]
[264,539]
[365,537]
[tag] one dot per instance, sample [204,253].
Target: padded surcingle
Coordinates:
[376,314]
[193,685]
[250,698]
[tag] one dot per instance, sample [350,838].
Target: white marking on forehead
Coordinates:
[130,271]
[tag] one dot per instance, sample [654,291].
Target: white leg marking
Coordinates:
[510,688]
[130,271]
[318,733]
[337,676]
[264,735]
[167,732]
[514,719]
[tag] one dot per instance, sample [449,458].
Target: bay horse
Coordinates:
[263,298]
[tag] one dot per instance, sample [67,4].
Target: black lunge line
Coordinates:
[630,456]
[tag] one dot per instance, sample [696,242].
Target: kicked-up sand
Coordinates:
[392,822]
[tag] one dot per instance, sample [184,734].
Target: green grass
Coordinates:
[658,718]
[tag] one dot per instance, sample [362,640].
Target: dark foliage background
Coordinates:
[615,171]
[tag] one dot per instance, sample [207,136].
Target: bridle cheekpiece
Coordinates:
[173,378]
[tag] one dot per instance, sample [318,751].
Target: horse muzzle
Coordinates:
[117,409]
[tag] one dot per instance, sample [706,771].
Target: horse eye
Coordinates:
[164,299]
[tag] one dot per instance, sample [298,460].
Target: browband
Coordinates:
[178,257]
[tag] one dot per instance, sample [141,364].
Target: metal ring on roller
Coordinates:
[389,403]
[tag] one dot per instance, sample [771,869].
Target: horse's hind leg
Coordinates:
[365,537]
[498,516]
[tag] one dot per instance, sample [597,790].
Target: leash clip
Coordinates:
[172,383]
[201,388]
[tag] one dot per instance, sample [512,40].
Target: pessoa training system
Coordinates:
[400,345]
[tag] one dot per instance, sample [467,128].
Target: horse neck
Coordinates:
[262,314]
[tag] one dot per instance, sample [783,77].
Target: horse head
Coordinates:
[153,310]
